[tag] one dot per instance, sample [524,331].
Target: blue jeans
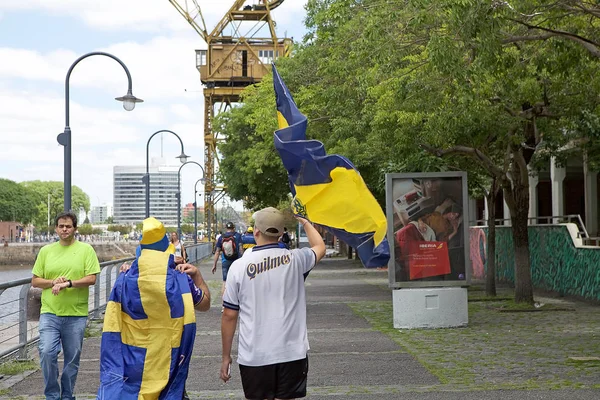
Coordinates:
[225,264]
[54,333]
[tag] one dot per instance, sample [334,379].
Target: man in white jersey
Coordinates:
[265,288]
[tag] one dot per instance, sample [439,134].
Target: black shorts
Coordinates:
[276,381]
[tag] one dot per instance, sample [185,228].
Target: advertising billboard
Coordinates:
[427,219]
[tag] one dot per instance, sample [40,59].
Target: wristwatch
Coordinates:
[70,283]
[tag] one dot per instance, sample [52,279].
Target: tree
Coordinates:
[55,191]
[251,168]
[122,229]
[85,229]
[17,203]
[555,21]
[187,228]
[454,85]
[394,85]
[109,220]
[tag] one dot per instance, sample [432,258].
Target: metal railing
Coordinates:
[19,330]
[198,252]
[552,219]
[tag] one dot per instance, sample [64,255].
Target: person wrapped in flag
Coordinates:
[328,190]
[150,324]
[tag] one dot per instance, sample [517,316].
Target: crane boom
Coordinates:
[190,14]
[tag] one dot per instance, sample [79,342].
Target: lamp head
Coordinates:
[183,157]
[129,101]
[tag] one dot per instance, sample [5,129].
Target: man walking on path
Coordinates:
[229,246]
[248,239]
[64,270]
[265,289]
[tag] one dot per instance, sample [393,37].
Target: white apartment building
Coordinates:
[99,214]
[129,194]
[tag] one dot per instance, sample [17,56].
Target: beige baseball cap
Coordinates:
[269,221]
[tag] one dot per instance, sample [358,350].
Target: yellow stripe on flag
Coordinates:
[344,203]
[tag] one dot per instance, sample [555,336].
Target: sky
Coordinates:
[40,39]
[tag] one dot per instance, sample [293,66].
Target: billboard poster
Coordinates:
[428,229]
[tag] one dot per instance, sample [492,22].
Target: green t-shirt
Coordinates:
[73,262]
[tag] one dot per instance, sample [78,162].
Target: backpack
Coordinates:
[229,247]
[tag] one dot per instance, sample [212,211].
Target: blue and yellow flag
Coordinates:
[327,189]
[149,331]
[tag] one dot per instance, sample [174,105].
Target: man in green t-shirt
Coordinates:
[64,270]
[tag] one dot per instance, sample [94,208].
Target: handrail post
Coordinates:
[96,313]
[108,282]
[23,321]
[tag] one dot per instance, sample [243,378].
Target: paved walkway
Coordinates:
[356,353]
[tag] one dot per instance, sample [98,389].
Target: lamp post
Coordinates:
[64,139]
[203,179]
[146,180]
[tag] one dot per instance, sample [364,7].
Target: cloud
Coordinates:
[135,15]
[162,67]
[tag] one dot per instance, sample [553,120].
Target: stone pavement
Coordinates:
[356,353]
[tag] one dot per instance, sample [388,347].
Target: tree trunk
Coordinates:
[519,214]
[343,249]
[490,275]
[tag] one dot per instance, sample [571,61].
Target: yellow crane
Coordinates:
[232,61]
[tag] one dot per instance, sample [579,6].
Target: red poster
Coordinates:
[428,259]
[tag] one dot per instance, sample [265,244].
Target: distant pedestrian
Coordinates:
[229,248]
[285,238]
[64,270]
[248,239]
[180,254]
[265,288]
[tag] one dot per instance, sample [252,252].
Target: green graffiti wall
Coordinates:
[556,263]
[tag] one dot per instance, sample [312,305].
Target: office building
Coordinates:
[99,214]
[129,193]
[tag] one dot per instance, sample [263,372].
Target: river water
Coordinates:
[12,272]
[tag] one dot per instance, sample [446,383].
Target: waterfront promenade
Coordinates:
[357,354]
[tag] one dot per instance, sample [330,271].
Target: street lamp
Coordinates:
[179,192]
[146,180]
[64,139]
[202,181]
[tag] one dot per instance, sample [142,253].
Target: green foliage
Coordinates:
[110,220]
[88,229]
[251,168]
[187,228]
[123,229]
[17,203]
[491,88]
[55,191]
[85,229]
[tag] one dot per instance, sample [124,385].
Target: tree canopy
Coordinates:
[55,191]
[17,203]
[493,88]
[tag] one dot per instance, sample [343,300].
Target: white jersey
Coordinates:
[266,286]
